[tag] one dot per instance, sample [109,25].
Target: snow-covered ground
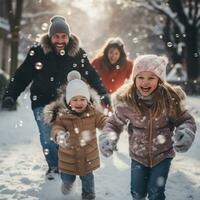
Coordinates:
[22,165]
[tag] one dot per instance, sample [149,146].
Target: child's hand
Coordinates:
[183,139]
[107,146]
[61,138]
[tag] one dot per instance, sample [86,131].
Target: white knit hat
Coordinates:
[76,87]
[152,63]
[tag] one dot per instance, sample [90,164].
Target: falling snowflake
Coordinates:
[46,151]
[38,65]
[32,53]
[44,26]
[74,65]
[34,98]
[161,139]
[62,52]
[76,130]
[169,44]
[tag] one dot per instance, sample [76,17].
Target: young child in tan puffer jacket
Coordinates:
[157,124]
[74,130]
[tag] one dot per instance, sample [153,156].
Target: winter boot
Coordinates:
[139,198]
[51,173]
[88,196]
[66,188]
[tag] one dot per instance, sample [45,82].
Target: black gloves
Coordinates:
[105,99]
[9,103]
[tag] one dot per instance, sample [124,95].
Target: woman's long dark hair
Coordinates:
[113,43]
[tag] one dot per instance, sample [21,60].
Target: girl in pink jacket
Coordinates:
[157,123]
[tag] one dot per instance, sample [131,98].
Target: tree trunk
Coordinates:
[192,56]
[170,31]
[14,51]
[14,17]
[5,55]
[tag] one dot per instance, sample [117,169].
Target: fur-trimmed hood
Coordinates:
[73,45]
[117,97]
[52,110]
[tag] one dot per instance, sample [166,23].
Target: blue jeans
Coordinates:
[50,149]
[149,180]
[87,181]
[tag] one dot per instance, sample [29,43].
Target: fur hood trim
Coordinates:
[180,93]
[52,110]
[73,46]
[117,97]
[182,97]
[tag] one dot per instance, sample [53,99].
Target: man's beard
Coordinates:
[57,49]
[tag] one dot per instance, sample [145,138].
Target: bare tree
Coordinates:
[14,9]
[181,31]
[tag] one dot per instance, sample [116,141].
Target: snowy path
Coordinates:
[22,165]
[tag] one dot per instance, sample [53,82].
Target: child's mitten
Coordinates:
[61,138]
[107,146]
[183,139]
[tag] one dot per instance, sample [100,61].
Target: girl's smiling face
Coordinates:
[146,82]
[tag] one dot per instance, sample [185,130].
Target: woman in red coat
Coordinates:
[112,64]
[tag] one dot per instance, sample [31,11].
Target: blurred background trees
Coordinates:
[168,27]
[181,32]
[14,13]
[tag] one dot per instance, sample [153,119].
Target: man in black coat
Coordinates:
[46,67]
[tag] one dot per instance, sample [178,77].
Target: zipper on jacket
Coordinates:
[150,138]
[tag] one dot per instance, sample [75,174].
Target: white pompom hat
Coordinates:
[76,87]
[152,63]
